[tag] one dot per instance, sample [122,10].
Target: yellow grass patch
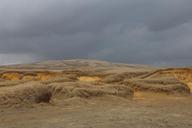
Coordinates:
[41,76]
[12,76]
[28,77]
[89,79]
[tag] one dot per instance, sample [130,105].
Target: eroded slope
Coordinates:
[183,75]
[64,80]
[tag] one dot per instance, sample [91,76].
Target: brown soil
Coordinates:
[105,112]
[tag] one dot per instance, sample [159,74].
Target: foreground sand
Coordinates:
[106,112]
[94,94]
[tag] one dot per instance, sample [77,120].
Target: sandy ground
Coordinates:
[136,100]
[145,111]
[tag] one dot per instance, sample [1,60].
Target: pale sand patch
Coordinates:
[141,95]
[190,86]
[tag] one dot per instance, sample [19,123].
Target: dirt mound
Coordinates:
[116,78]
[28,93]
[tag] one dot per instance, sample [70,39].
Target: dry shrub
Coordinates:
[28,93]
[73,72]
[113,79]
[11,83]
[116,78]
[83,72]
[60,80]
[118,90]
[167,85]
[85,90]
[160,80]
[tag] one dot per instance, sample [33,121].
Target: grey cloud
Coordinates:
[170,14]
[133,31]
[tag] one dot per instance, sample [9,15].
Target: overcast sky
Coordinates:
[155,32]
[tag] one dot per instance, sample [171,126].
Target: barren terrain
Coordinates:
[94,94]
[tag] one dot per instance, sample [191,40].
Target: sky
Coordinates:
[154,32]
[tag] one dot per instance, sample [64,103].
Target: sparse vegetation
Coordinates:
[85,90]
[27,93]
[168,86]
[85,82]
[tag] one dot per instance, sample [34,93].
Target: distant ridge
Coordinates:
[73,63]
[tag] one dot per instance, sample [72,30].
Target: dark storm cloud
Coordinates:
[133,31]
